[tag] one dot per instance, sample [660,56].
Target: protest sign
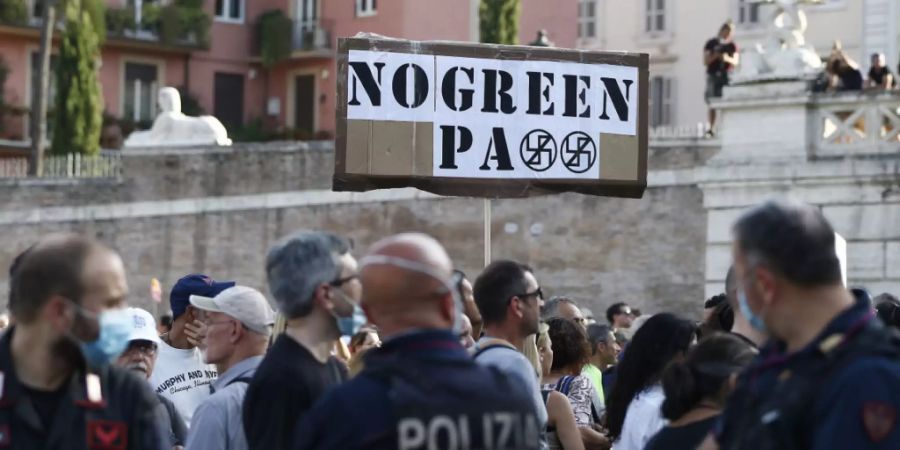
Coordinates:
[490,121]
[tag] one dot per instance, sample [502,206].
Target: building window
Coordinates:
[587,19]
[36,66]
[662,96]
[230,10]
[747,12]
[655,17]
[141,85]
[37,9]
[366,8]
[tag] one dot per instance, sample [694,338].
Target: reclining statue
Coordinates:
[174,129]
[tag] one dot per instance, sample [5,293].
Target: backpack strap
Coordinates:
[490,344]
[240,380]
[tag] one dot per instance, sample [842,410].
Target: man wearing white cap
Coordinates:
[239,322]
[140,357]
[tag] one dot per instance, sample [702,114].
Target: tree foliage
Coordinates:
[79,103]
[499,21]
[274,31]
[14,12]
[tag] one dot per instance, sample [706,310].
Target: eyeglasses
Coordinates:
[342,281]
[539,293]
[146,348]
[209,324]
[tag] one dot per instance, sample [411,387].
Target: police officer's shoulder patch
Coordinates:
[107,435]
[879,419]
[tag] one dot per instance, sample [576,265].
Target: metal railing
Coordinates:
[71,166]
[311,36]
[856,124]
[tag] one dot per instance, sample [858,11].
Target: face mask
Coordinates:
[413,266]
[755,321]
[115,327]
[349,325]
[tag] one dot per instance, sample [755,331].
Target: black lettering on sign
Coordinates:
[614,92]
[448,89]
[535,93]
[448,144]
[420,86]
[362,73]
[500,154]
[573,96]
[491,92]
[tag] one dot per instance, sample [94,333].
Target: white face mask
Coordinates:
[418,267]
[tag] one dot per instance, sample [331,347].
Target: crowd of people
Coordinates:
[401,351]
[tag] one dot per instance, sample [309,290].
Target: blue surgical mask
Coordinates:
[755,321]
[115,328]
[348,326]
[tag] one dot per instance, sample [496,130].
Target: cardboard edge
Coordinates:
[473,187]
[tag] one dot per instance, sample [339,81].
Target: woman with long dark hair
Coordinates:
[696,390]
[633,408]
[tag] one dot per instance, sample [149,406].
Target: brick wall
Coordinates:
[648,252]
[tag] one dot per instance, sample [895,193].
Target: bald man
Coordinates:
[420,390]
[58,388]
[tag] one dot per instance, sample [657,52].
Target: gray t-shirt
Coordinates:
[514,364]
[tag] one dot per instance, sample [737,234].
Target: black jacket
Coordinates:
[124,415]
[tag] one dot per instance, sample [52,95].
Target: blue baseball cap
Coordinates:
[194,284]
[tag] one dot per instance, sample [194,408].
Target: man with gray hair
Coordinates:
[565,308]
[239,322]
[313,278]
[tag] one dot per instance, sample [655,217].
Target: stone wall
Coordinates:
[218,211]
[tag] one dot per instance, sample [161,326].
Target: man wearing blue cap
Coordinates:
[181,374]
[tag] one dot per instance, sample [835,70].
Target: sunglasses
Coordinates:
[539,293]
[342,281]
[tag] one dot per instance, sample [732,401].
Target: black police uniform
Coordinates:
[105,409]
[422,391]
[840,392]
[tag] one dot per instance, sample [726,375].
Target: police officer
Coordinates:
[828,377]
[420,390]
[57,390]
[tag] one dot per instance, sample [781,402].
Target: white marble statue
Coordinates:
[172,128]
[785,54]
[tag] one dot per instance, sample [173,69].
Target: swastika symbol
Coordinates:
[538,150]
[579,153]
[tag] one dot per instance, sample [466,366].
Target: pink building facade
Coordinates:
[227,79]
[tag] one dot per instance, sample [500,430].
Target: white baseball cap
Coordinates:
[242,303]
[143,326]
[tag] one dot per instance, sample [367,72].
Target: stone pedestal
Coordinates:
[779,140]
[768,120]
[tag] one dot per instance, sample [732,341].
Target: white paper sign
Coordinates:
[495,118]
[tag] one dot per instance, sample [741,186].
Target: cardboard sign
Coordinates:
[490,121]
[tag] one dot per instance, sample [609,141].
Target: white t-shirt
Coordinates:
[182,377]
[643,419]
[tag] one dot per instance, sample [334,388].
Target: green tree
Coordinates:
[14,12]
[499,21]
[79,102]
